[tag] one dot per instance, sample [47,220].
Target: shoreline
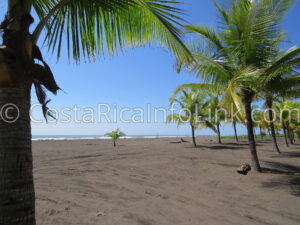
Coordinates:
[65,138]
[107,138]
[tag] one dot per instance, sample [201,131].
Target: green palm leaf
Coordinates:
[88,26]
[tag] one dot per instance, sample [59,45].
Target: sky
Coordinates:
[137,78]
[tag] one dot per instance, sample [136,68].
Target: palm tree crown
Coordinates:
[242,55]
[193,110]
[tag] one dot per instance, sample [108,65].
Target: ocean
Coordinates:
[76,137]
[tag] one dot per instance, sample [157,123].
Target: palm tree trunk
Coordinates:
[285,136]
[270,106]
[219,134]
[255,166]
[17,198]
[289,133]
[193,136]
[261,135]
[114,143]
[235,133]
[293,135]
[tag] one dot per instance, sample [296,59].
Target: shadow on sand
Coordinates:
[291,177]
[287,155]
[175,142]
[225,146]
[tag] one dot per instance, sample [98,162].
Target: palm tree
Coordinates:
[234,109]
[284,82]
[228,108]
[216,114]
[193,110]
[238,55]
[259,121]
[284,115]
[115,135]
[87,26]
[288,113]
[234,122]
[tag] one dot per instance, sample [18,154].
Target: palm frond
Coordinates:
[177,118]
[88,25]
[209,125]
[200,87]
[209,34]
[290,59]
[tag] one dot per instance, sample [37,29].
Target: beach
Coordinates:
[159,181]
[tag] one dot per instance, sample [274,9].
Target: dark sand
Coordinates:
[157,182]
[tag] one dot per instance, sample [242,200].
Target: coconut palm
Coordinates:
[229,107]
[193,111]
[259,121]
[284,115]
[216,114]
[115,135]
[234,122]
[284,82]
[238,55]
[234,111]
[288,114]
[89,27]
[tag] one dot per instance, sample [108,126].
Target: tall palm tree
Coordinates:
[87,26]
[193,110]
[238,55]
[115,135]
[283,82]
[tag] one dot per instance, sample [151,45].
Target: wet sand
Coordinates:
[162,182]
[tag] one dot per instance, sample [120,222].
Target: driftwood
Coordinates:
[244,169]
[178,142]
[182,140]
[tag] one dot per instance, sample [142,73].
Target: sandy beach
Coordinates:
[162,182]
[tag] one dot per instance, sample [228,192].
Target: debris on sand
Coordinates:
[244,169]
[100,213]
[183,141]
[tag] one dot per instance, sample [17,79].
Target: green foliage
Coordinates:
[240,54]
[115,135]
[200,109]
[87,25]
[259,118]
[89,28]
[288,113]
[245,137]
[242,57]
[193,106]
[215,114]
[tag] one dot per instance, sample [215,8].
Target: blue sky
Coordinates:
[133,79]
